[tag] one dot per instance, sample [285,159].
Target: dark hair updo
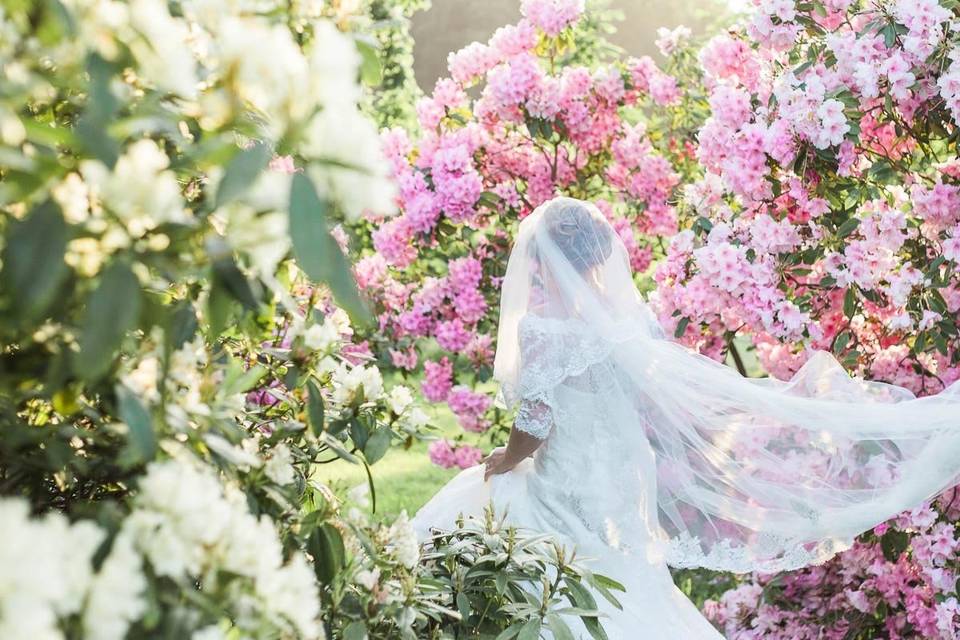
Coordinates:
[580,232]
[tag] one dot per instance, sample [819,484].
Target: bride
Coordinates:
[643,454]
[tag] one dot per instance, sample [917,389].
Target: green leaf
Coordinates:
[371,71]
[142,443]
[681,327]
[850,302]
[594,628]
[893,543]
[510,632]
[530,630]
[227,274]
[33,266]
[315,408]
[559,628]
[183,326]
[102,105]
[112,310]
[377,445]
[579,595]
[848,227]
[463,605]
[244,381]
[337,447]
[241,172]
[359,433]
[920,341]
[316,251]
[220,306]
[325,544]
[889,35]
[356,630]
[841,342]
[608,583]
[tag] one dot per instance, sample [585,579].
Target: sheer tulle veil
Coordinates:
[751,474]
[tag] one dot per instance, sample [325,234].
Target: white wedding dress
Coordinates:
[654,455]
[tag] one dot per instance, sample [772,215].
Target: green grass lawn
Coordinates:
[404,479]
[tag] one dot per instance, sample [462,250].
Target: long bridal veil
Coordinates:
[751,474]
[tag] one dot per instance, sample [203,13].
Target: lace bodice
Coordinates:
[553,350]
[569,396]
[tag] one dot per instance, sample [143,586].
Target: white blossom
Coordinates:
[321,336]
[213,632]
[140,190]
[363,184]
[163,54]
[45,569]
[418,418]
[400,398]
[73,196]
[348,381]
[279,467]
[291,593]
[116,596]
[402,542]
[268,68]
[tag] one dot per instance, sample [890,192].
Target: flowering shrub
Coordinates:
[176,359]
[169,377]
[825,218]
[549,117]
[827,200]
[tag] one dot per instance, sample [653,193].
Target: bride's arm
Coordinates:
[520,446]
[530,429]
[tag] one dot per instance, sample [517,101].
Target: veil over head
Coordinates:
[751,474]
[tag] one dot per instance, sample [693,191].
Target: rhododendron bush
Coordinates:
[526,116]
[175,357]
[828,217]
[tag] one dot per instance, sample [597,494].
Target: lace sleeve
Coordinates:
[534,417]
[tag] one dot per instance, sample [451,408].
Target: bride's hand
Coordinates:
[496,463]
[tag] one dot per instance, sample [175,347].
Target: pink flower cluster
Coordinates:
[445,454]
[469,407]
[829,219]
[437,380]
[779,142]
[879,588]
[552,16]
[486,158]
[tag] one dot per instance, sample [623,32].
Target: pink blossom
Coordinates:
[437,380]
[469,407]
[472,61]
[552,16]
[442,454]
[283,164]
[452,335]
[466,456]
[515,39]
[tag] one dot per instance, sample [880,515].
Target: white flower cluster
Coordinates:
[45,570]
[402,542]
[323,336]
[349,380]
[46,576]
[188,527]
[315,89]
[191,387]
[223,59]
